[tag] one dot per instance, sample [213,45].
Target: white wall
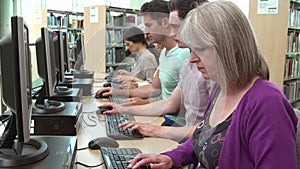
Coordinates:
[242,4]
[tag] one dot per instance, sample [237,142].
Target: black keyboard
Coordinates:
[117,99]
[117,158]
[116,85]
[112,130]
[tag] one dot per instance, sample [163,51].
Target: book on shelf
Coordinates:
[294,18]
[293,44]
[114,37]
[115,55]
[292,69]
[292,90]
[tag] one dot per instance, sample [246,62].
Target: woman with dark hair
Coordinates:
[145,64]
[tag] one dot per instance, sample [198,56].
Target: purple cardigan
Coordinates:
[262,134]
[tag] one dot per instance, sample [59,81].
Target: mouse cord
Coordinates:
[87,166]
[84,148]
[91,117]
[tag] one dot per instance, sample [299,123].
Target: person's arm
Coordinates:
[157,108]
[151,90]
[176,133]
[183,154]
[175,158]
[149,130]
[271,130]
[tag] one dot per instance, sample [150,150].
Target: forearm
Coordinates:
[157,108]
[144,92]
[135,79]
[183,154]
[176,133]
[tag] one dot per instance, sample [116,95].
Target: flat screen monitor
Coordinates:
[59,55]
[46,63]
[79,53]
[16,76]
[66,51]
[47,71]
[16,94]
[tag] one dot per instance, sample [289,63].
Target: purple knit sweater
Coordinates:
[262,134]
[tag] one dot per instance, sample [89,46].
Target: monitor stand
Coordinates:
[83,74]
[65,94]
[84,84]
[62,153]
[30,152]
[63,122]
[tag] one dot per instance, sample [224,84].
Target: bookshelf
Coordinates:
[66,21]
[278,37]
[105,47]
[291,86]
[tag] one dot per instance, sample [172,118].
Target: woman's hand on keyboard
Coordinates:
[156,161]
[145,129]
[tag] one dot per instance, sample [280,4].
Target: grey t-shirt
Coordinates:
[145,66]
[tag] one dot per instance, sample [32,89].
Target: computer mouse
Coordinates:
[107,84]
[147,166]
[103,142]
[100,96]
[101,110]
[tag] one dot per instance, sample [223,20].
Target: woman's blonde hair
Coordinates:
[223,26]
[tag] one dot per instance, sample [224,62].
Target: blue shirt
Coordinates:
[170,68]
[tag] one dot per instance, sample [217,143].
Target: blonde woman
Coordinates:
[249,123]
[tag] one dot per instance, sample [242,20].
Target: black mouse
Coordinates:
[100,96]
[147,166]
[103,142]
[107,84]
[101,110]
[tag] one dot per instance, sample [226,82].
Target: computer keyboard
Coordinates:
[116,85]
[117,158]
[112,130]
[117,99]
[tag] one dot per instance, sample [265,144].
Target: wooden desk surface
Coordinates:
[91,129]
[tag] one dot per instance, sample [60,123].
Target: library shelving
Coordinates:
[278,38]
[71,22]
[66,21]
[291,86]
[110,50]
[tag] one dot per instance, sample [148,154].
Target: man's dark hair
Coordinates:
[157,9]
[184,6]
[135,35]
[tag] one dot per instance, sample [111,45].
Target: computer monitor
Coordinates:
[59,55]
[16,92]
[47,71]
[66,51]
[79,53]
[59,52]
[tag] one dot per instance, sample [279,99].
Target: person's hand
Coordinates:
[112,105]
[156,161]
[107,91]
[123,72]
[129,85]
[134,101]
[145,129]
[124,78]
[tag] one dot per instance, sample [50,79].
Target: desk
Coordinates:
[87,133]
